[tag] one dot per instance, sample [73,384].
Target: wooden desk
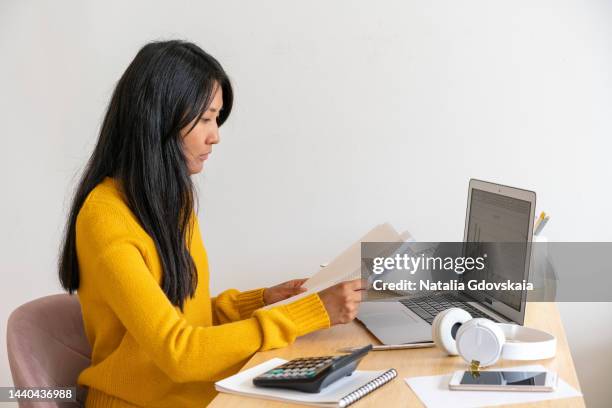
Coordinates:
[411,363]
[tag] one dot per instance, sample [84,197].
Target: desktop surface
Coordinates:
[412,363]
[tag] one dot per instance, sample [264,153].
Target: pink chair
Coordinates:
[47,346]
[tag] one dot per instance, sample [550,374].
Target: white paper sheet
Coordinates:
[433,392]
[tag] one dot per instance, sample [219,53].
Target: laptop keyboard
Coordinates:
[427,307]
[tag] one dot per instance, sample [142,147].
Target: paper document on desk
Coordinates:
[433,392]
[340,393]
[347,265]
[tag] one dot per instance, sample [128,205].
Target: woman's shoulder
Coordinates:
[105,204]
[105,213]
[106,194]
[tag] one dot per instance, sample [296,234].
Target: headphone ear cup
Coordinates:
[435,331]
[480,340]
[444,325]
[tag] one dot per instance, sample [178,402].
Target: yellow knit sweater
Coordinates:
[145,351]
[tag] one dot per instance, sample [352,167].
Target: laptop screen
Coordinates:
[499,218]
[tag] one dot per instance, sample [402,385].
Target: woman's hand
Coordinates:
[283,291]
[342,300]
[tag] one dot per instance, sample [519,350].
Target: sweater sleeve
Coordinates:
[183,351]
[232,305]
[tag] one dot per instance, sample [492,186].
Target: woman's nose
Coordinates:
[214,137]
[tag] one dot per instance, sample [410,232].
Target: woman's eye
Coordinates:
[205,120]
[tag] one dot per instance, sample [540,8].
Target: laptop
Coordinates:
[495,213]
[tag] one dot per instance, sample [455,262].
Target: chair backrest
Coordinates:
[47,346]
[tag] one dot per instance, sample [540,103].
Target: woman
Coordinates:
[134,252]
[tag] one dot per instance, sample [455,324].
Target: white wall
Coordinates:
[348,113]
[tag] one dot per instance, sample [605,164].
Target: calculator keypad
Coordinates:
[301,368]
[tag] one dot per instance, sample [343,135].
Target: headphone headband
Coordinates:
[527,343]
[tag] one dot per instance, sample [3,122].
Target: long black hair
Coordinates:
[165,87]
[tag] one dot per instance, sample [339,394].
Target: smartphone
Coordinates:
[504,381]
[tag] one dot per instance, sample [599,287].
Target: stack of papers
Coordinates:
[347,265]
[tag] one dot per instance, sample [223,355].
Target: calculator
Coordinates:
[311,374]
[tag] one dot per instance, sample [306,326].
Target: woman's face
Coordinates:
[198,143]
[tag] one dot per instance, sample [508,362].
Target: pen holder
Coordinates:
[541,272]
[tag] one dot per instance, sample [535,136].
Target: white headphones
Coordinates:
[485,341]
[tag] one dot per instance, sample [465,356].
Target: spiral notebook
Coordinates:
[341,393]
